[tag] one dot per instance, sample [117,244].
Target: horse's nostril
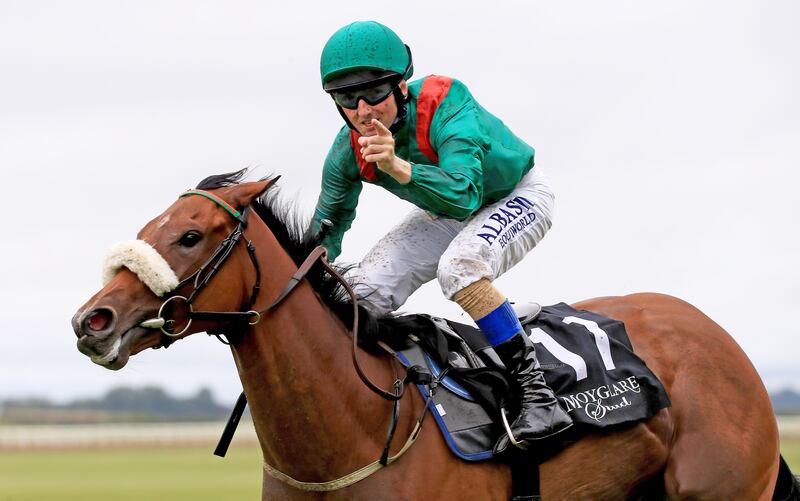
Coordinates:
[99,320]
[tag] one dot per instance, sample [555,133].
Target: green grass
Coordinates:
[131,474]
[791,453]
[175,474]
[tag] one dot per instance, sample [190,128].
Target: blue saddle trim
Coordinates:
[634,392]
[479,456]
[447,382]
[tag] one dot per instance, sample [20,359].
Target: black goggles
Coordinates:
[376,94]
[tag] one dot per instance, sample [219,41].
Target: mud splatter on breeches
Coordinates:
[486,245]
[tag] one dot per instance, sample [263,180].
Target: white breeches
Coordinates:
[458,253]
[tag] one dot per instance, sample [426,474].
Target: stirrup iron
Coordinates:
[519,445]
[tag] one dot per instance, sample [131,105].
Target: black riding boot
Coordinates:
[540,416]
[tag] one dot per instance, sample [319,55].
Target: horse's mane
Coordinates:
[293,233]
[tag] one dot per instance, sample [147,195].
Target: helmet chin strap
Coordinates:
[346,120]
[402,111]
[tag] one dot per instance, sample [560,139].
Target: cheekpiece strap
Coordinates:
[222,203]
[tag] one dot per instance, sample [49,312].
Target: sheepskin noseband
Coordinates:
[142,259]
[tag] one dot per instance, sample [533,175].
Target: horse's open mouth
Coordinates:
[111,356]
[118,354]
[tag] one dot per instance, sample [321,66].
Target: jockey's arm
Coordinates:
[337,202]
[454,188]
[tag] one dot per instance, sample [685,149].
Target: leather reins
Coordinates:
[203,275]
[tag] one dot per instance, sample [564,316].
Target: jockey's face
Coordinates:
[385,111]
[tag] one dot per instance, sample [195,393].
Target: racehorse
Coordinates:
[317,421]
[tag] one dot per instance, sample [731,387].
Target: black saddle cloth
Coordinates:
[587,360]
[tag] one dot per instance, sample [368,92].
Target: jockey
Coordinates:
[481,205]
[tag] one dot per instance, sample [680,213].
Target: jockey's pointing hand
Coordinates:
[380,149]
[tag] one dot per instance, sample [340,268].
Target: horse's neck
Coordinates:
[312,414]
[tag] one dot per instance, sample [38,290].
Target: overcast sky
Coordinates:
[670,131]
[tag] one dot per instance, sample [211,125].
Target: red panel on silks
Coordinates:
[434,90]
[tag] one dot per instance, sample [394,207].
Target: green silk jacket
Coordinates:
[462,158]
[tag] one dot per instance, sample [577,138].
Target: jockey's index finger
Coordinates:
[380,128]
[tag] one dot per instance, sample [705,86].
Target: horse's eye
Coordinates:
[190,239]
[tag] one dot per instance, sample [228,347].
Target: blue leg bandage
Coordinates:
[500,325]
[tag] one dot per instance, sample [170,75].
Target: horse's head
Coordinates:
[173,259]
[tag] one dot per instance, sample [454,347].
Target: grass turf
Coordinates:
[175,474]
[130,474]
[790,449]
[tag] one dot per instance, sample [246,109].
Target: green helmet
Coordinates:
[362,52]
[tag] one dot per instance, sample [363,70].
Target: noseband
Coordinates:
[201,277]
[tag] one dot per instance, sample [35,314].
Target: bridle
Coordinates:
[201,277]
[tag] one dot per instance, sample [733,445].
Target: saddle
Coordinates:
[587,360]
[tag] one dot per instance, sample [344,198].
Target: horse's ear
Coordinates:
[242,195]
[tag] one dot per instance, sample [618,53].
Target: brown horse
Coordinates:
[316,421]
